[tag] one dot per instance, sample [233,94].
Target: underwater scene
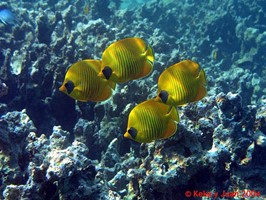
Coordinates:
[134,100]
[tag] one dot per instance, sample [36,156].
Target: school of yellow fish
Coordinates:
[131,59]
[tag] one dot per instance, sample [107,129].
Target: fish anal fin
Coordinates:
[149,54]
[148,66]
[202,91]
[202,78]
[146,70]
[171,129]
[173,118]
[106,94]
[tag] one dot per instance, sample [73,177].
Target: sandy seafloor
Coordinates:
[53,147]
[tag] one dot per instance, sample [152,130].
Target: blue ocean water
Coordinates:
[53,147]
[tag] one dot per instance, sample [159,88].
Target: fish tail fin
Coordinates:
[202,91]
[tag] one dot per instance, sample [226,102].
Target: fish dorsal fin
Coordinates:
[190,66]
[94,64]
[163,80]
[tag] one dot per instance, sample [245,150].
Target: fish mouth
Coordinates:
[158,99]
[127,135]
[101,75]
[62,88]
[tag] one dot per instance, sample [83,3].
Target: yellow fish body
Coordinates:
[151,120]
[127,59]
[83,83]
[182,83]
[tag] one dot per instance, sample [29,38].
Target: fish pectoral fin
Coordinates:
[169,111]
[78,94]
[171,129]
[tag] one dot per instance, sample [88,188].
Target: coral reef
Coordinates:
[3,89]
[46,168]
[52,147]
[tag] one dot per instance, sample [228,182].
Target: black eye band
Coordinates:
[133,132]
[164,96]
[69,86]
[107,72]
